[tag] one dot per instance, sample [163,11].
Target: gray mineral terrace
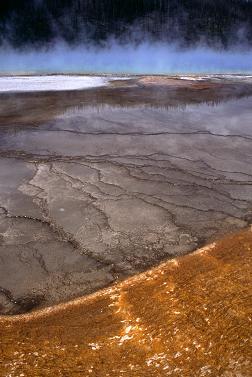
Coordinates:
[102,183]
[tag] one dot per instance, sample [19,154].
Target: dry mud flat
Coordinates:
[100,184]
[189,317]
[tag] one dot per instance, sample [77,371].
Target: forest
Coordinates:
[219,23]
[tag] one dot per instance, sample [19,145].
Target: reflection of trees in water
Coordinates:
[101,107]
[32,109]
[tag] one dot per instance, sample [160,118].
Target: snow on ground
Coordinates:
[50,83]
[78,82]
[216,77]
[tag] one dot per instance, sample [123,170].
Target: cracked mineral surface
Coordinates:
[100,184]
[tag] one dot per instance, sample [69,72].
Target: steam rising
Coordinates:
[144,58]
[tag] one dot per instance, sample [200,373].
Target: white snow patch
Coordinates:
[123,338]
[191,78]
[94,346]
[51,83]
[157,361]
[216,77]
[128,329]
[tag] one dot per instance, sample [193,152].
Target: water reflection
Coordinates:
[224,118]
[217,136]
[34,109]
[82,109]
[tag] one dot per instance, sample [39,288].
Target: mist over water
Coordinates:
[144,58]
[130,36]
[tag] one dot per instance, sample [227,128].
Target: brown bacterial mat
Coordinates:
[188,317]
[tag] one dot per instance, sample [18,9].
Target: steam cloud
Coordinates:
[147,57]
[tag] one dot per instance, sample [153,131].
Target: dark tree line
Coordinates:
[214,22]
